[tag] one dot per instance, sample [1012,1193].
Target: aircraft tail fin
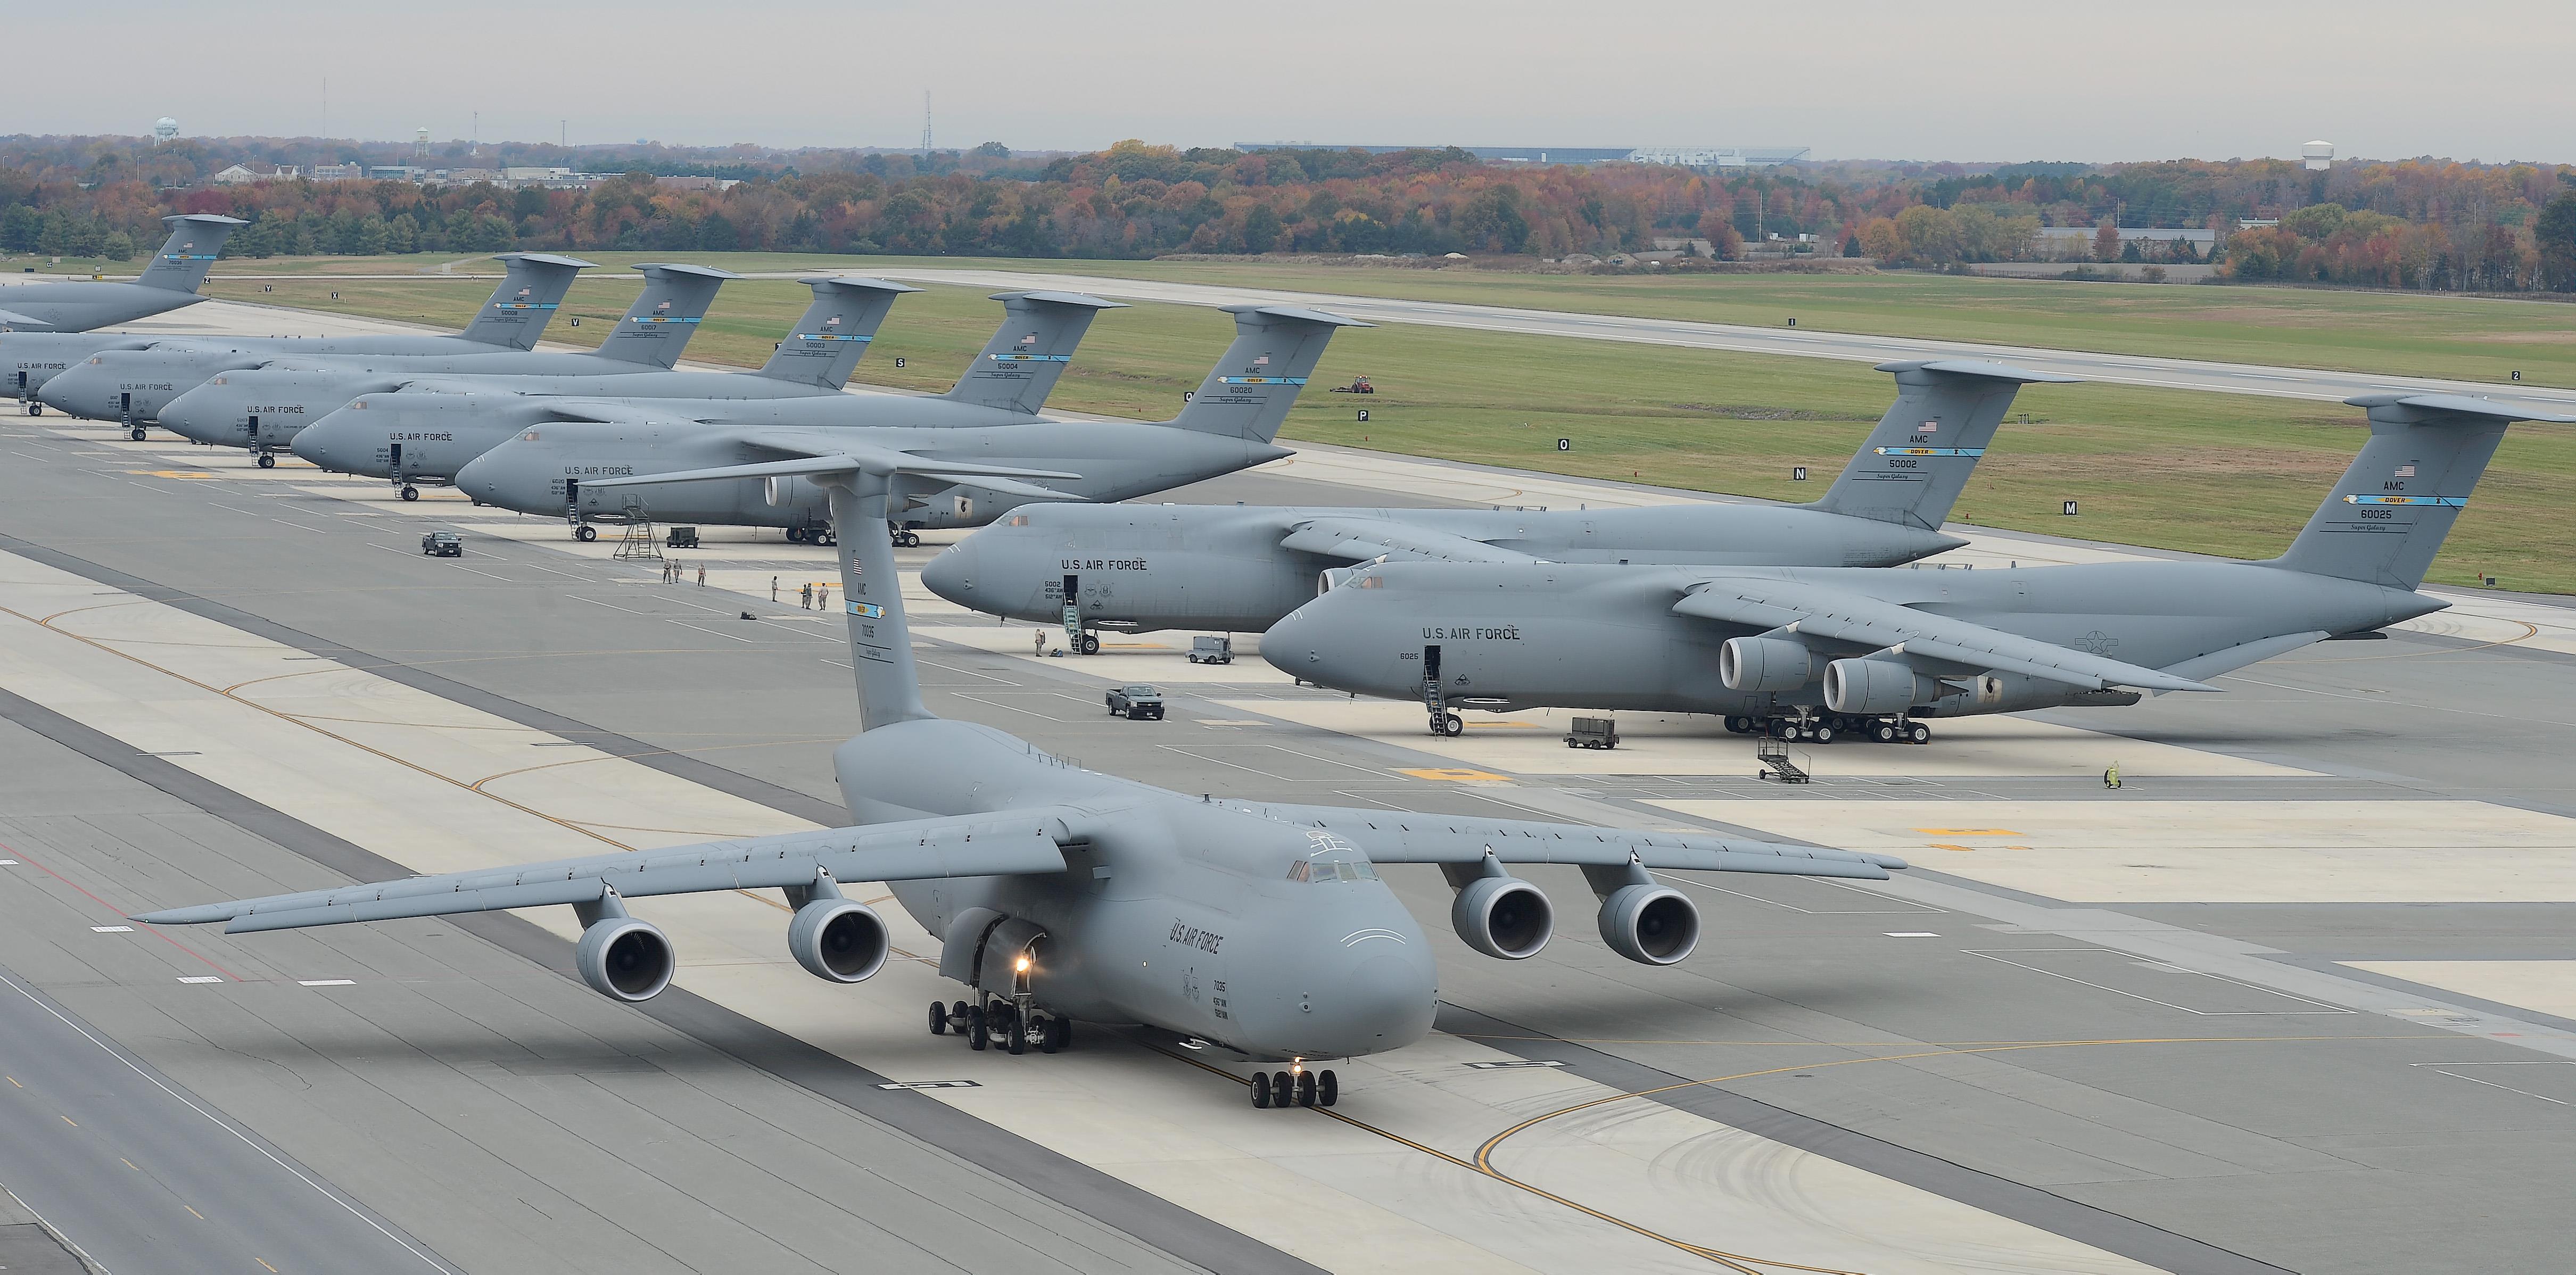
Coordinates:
[196,239]
[1913,466]
[1254,383]
[1027,355]
[826,344]
[658,326]
[2386,518]
[531,290]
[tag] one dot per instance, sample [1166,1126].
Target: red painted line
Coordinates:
[121,913]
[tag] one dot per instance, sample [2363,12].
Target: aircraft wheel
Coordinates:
[1919,733]
[410,492]
[1452,725]
[1305,1089]
[35,409]
[1007,1025]
[1328,1088]
[824,538]
[1884,732]
[1091,644]
[135,433]
[1734,725]
[267,461]
[1063,1033]
[1822,733]
[585,533]
[1047,1043]
[1261,1089]
[938,1019]
[795,535]
[976,1035]
[1283,1089]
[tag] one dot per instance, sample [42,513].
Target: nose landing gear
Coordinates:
[1296,1087]
[1002,1023]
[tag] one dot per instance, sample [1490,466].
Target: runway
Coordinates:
[2293,999]
[2109,369]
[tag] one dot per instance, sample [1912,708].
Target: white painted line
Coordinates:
[1912,934]
[1517,1062]
[326,982]
[2321,1006]
[8,863]
[934,1084]
[201,978]
[111,929]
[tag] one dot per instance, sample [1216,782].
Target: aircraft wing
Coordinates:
[999,844]
[833,451]
[12,316]
[1844,616]
[1396,836]
[1361,539]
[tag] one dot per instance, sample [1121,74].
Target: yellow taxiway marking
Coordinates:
[14,1080]
[192,1209]
[172,473]
[67,1119]
[1968,832]
[264,1262]
[1458,775]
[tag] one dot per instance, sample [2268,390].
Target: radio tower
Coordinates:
[925,123]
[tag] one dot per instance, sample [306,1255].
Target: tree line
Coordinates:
[2409,224]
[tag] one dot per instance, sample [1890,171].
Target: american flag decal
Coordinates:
[1263,361]
[2405,471]
[1931,427]
[1030,339]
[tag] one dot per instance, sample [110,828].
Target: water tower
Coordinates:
[2317,157]
[164,129]
[420,142]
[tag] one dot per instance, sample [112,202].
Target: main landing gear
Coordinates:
[1825,728]
[410,492]
[267,461]
[1001,1023]
[812,536]
[1296,1087]
[1447,723]
[904,539]
[585,533]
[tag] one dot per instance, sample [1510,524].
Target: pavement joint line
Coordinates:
[153,1077]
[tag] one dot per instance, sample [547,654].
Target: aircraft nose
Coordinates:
[1294,644]
[951,575]
[314,443]
[192,415]
[76,391]
[1386,1001]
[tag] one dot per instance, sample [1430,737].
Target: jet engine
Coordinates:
[1503,916]
[1867,688]
[842,940]
[1650,924]
[624,958]
[1764,664]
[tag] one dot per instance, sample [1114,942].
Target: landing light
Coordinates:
[1021,965]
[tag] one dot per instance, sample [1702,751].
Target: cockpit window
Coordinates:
[1019,520]
[1315,870]
[1372,582]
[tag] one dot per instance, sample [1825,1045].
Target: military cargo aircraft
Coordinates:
[133,386]
[265,408]
[1815,654]
[424,433]
[1240,568]
[568,444]
[1060,894]
[171,281]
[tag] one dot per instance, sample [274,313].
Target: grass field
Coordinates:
[2211,473]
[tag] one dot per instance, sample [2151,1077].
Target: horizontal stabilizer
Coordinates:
[2236,657]
[1979,367]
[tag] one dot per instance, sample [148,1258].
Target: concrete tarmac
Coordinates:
[2137,1082]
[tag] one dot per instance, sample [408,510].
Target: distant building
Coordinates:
[396,172]
[464,176]
[696,183]
[2198,239]
[2317,156]
[339,172]
[1717,156]
[240,175]
[1686,156]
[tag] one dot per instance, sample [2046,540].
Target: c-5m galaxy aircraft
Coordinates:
[532,287]
[1057,893]
[265,407]
[1812,654]
[134,385]
[170,282]
[428,431]
[1228,425]
[1133,568]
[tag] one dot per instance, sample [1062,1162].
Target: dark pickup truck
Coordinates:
[442,544]
[1136,703]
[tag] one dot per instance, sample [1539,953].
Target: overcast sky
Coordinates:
[1975,80]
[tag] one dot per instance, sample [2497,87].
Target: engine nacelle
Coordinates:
[842,940]
[1764,664]
[1503,916]
[1867,688]
[624,958]
[1650,924]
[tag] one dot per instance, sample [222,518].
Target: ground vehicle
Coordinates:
[1358,385]
[1136,703]
[442,544]
[1211,650]
[1593,732]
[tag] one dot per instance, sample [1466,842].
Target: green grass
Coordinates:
[2213,473]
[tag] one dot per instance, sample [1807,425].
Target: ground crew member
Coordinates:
[702,575]
[823,597]
[805,598]
[773,588]
[1040,648]
[2111,776]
